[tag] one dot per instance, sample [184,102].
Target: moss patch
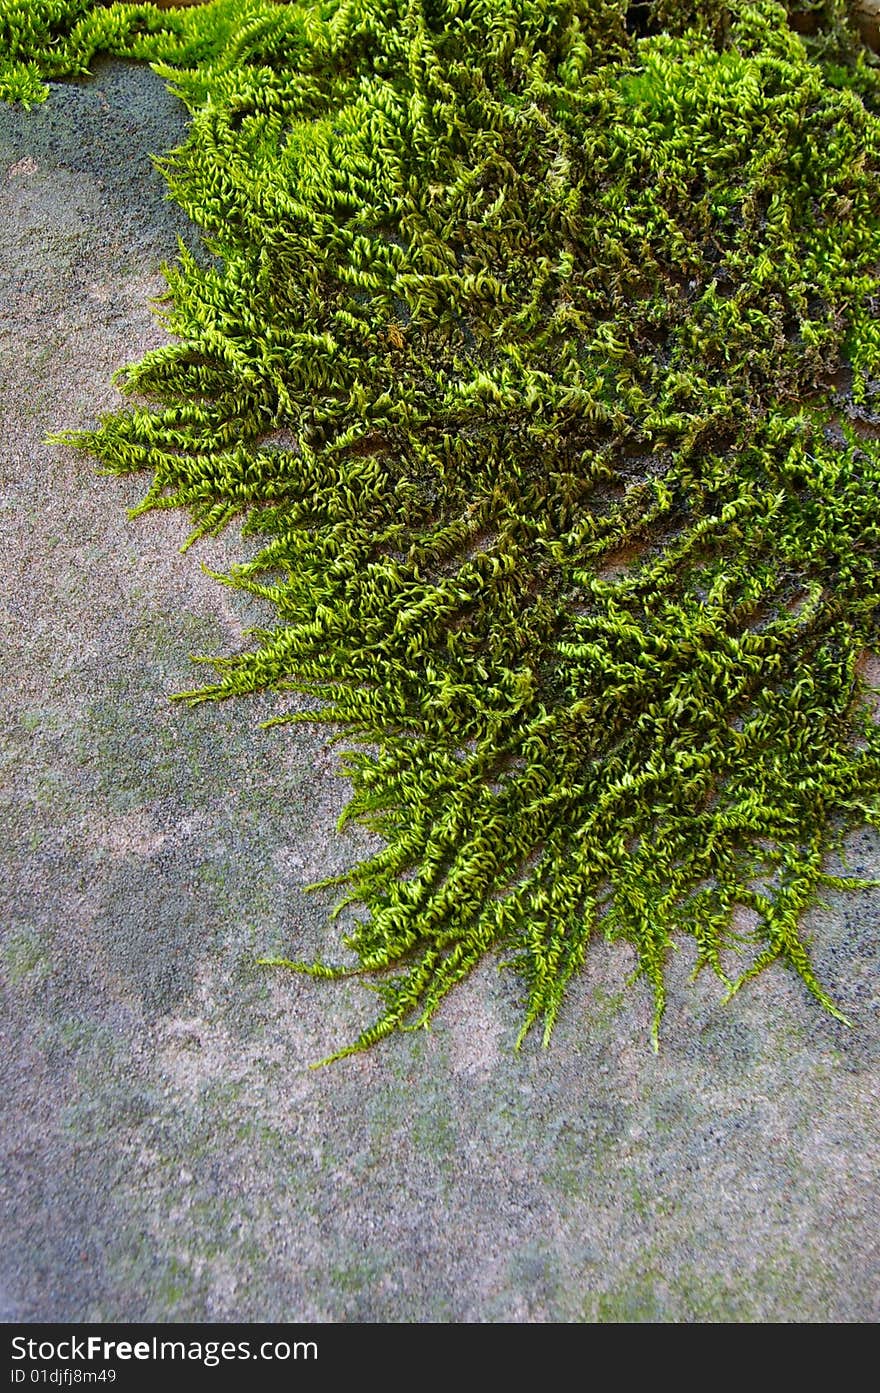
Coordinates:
[538,354]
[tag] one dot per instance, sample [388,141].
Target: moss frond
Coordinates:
[540,352]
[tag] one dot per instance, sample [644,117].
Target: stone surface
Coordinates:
[167,1152]
[867,17]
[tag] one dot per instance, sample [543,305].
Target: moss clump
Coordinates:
[524,352]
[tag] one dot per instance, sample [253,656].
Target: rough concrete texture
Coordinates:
[167,1152]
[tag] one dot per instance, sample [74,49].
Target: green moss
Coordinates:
[637,1304]
[520,356]
[23,954]
[657,1295]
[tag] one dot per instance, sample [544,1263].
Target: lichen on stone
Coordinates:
[538,349]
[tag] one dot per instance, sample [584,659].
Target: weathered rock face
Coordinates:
[168,1154]
[867,15]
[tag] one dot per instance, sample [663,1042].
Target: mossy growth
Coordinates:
[539,351]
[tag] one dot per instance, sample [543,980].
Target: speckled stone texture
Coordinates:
[167,1152]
